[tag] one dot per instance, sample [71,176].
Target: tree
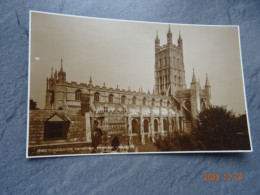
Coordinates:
[33,105]
[215,128]
[176,142]
[242,141]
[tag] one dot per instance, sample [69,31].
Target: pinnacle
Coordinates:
[61,66]
[207,81]
[169,29]
[193,77]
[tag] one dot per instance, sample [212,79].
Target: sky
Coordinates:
[122,53]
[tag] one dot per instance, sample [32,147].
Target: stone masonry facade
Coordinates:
[138,116]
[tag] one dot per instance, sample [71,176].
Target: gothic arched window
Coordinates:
[153,102]
[110,98]
[77,94]
[173,125]
[165,125]
[96,97]
[134,100]
[144,101]
[146,126]
[161,102]
[123,99]
[155,125]
[202,105]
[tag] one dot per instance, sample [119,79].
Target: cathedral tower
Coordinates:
[169,66]
[56,90]
[60,92]
[49,99]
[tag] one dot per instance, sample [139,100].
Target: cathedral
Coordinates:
[137,116]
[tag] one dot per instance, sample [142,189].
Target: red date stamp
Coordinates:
[226,177]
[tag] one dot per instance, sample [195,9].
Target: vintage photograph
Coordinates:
[102,86]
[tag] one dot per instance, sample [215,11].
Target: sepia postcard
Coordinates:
[103,86]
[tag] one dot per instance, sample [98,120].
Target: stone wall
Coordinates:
[76,132]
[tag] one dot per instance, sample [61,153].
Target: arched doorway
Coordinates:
[173,125]
[146,130]
[165,125]
[115,143]
[146,126]
[97,137]
[155,126]
[136,132]
[135,127]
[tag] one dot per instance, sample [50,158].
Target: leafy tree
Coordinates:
[241,138]
[240,123]
[216,129]
[176,142]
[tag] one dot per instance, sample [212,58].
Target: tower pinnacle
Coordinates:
[157,40]
[208,89]
[169,29]
[193,77]
[90,82]
[61,66]
[180,34]
[207,81]
[180,40]
[51,73]
[169,36]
